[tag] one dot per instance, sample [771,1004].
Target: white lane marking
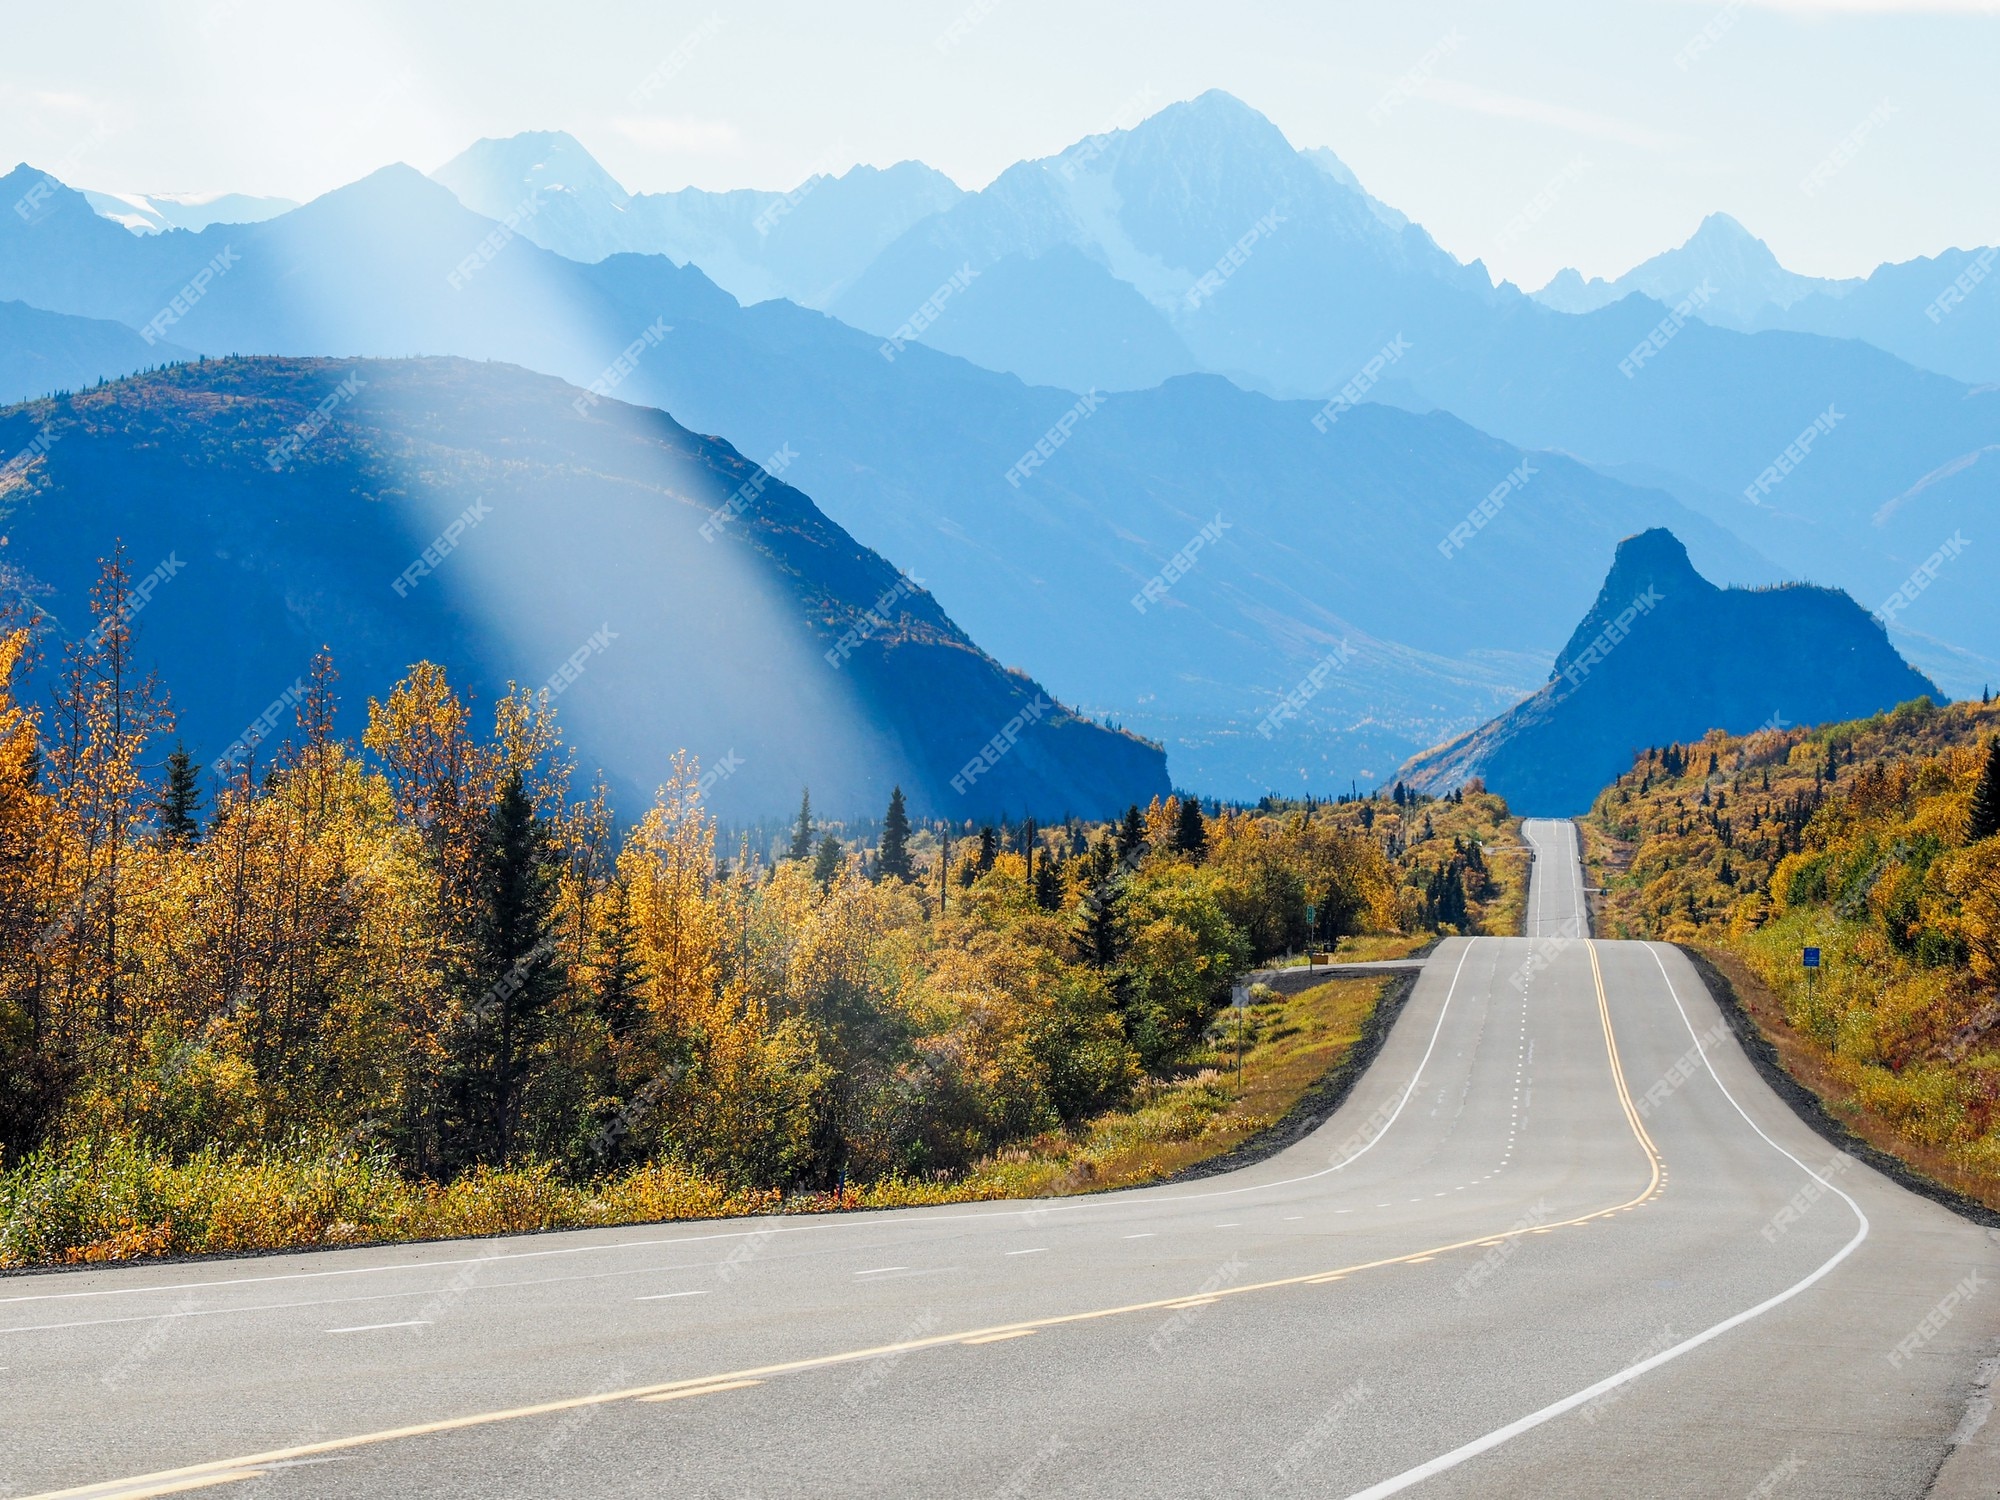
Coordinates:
[878,1270]
[663,1296]
[1625,1376]
[1039,1250]
[1146,1236]
[415,1291]
[1232,1224]
[371,1327]
[765,1227]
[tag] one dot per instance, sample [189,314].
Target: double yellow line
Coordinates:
[229,1471]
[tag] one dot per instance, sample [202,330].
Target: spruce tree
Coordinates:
[989,847]
[1190,832]
[510,977]
[1048,885]
[826,863]
[1984,821]
[1131,834]
[894,856]
[618,973]
[180,802]
[802,832]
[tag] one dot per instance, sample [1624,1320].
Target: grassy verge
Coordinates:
[1832,1097]
[118,1202]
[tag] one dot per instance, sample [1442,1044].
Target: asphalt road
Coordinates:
[1561,1241]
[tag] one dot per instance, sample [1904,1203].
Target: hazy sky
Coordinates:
[1459,114]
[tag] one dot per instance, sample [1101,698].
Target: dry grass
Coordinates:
[1810,1064]
[119,1202]
[1289,1045]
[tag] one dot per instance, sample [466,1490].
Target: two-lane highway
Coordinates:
[1561,1240]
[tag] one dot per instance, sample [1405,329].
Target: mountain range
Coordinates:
[1225,328]
[1664,656]
[666,590]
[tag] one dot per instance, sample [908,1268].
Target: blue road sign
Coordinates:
[1812,958]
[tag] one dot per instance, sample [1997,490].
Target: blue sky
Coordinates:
[1459,114]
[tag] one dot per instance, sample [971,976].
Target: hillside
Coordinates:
[44,352]
[1664,655]
[1860,839]
[1335,523]
[585,537]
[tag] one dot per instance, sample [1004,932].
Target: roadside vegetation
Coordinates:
[1873,841]
[425,985]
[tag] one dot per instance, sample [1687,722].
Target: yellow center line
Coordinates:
[225,1470]
[994,1338]
[702,1390]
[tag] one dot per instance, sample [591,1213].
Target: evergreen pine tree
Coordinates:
[618,973]
[1984,821]
[511,978]
[989,847]
[1048,885]
[1101,938]
[180,802]
[1190,832]
[826,863]
[802,831]
[894,858]
[1131,834]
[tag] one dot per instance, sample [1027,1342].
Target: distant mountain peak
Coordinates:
[1665,656]
[1744,277]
